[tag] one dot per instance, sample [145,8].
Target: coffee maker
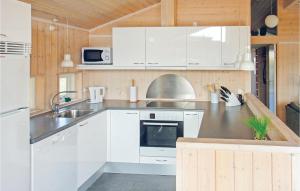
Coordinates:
[96,94]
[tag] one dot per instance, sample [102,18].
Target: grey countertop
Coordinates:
[218,121]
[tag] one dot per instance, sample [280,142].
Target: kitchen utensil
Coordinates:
[223,93]
[96,94]
[214,97]
[224,99]
[226,90]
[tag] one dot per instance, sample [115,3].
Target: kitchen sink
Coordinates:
[73,113]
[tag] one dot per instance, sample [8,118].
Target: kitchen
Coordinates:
[166,105]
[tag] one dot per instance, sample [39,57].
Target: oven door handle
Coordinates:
[161,124]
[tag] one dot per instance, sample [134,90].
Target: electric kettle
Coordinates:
[96,94]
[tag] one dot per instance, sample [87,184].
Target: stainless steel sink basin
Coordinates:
[73,113]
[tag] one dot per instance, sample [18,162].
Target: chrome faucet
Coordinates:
[55,106]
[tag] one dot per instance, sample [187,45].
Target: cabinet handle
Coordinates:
[150,63]
[131,113]
[229,64]
[160,160]
[137,63]
[83,124]
[196,63]
[191,114]
[3,35]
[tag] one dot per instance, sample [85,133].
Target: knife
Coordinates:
[224,99]
[226,90]
[223,93]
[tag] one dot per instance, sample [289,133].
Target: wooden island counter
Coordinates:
[205,164]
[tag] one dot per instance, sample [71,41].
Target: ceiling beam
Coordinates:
[168,12]
[289,3]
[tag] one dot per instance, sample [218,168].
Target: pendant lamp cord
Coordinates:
[271,7]
[68,35]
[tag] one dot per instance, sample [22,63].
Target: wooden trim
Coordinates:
[124,17]
[168,12]
[57,24]
[290,3]
[264,40]
[278,130]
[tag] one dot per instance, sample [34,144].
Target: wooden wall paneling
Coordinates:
[48,49]
[189,177]
[40,97]
[168,12]
[288,76]
[34,56]
[41,48]
[206,170]
[290,3]
[243,171]
[281,172]
[150,16]
[92,12]
[262,171]
[213,12]
[224,170]
[295,172]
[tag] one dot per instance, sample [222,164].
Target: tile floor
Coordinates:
[134,182]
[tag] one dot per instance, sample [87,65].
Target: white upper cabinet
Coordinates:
[15,21]
[204,46]
[129,47]
[244,38]
[125,136]
[230,45]
[166,47]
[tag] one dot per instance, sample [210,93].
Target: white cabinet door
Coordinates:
[230,45]
[14,82]
[15,151]
[91,153]
[165,46]
[244,39]
[129,47]
[54,164]
[204,47]
[192,123]
[15,21]
[125,136]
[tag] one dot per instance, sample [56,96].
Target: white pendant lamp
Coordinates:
[246,62]
[67,62]
[271,20]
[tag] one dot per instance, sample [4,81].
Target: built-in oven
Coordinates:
[159,131]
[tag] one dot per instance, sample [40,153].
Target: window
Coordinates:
[67,83]
[32,93]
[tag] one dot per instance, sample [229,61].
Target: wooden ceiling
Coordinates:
[86,13]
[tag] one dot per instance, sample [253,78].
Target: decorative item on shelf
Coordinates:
[271,20]
[245,61]
[67,62]
[263,31]
[259,126]
[254,33]
[214,96]
[133,92]
[229,98]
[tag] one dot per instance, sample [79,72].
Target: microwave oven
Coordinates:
[96,55]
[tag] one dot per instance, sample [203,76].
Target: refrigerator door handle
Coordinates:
[12,112]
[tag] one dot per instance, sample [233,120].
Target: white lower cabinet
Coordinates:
[92,147]
[125,136]
[192,123]
[54,162]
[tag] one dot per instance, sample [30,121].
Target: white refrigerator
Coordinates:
[14,123]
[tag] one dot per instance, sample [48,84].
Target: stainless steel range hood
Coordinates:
[170,86]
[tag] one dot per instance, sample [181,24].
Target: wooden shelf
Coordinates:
[264,40]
